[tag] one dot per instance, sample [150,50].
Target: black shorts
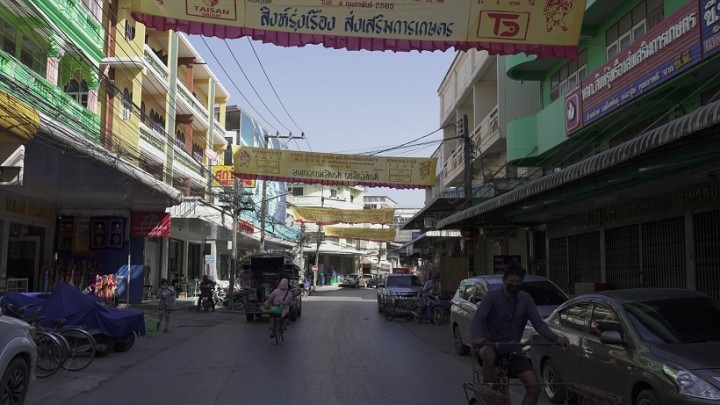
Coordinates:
[519,364]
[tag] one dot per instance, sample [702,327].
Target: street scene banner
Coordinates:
[549,28]
[328,216]
[372,234]
[334,169]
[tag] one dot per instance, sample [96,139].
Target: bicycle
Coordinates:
[279,327]
[497,392]
[50,349]
[80,345]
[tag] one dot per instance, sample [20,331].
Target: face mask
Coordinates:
[513,289]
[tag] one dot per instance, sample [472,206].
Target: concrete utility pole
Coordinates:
[233,261]
[319,239]
[263,202]
[467,155]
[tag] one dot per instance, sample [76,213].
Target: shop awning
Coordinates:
[680,128]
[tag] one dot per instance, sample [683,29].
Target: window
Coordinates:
[574,317]
[568,76]
[9,33]
[77,90]
[633,25]
[32,56]
[126,105]
[603,319]
[297,191]
[129,31]
[333,193]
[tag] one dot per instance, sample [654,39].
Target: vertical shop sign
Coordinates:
[150,225]
[710,27]
[116,236]
[98,233]
[81,235]
[65,234]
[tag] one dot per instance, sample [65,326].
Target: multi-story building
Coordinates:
[68,195]
[625,140]
[108,141]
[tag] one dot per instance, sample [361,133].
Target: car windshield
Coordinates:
[678,320]
[407,281]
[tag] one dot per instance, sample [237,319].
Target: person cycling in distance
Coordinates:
[500,319]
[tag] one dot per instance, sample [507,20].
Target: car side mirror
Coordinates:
[612,337]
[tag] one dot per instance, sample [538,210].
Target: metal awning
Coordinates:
[683,127]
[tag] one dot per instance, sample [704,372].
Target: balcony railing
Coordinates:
[76,22]
[486,136]
[48,98]
[200,111]
[156,64]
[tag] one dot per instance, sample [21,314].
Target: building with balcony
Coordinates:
[625,141]
[70,184]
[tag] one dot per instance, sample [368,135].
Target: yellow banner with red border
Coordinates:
[334,169]
[223,177]
[328,216]
[501,26]
[372,234]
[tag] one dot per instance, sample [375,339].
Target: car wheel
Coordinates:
[647,397]
[460,347]
[293,314]
[249,317]
[552,383]
[15,382]
[124,344]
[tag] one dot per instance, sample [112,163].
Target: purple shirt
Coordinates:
[502,319]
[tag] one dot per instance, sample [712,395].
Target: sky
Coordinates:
[347,102]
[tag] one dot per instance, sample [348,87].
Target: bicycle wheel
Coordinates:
[437,316]
[82,348]
[49,354]
[276,331]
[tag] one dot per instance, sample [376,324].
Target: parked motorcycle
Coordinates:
[305,291]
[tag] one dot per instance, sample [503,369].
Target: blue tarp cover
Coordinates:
[76,308]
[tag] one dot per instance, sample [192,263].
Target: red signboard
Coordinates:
[245,227]
[150,225]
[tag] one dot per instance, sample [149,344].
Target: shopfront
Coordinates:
[26,228]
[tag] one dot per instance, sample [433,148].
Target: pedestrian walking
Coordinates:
[166,295]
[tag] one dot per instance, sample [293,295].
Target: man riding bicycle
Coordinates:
[500,319]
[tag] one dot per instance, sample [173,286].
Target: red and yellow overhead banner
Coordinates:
[549,28]
[328,216]
[334,169]
[373,234]
[223,177]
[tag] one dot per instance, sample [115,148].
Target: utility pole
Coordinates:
[319,240]
[465,135]
[233,261]
[263,202]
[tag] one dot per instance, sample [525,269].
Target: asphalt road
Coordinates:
[340,351]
